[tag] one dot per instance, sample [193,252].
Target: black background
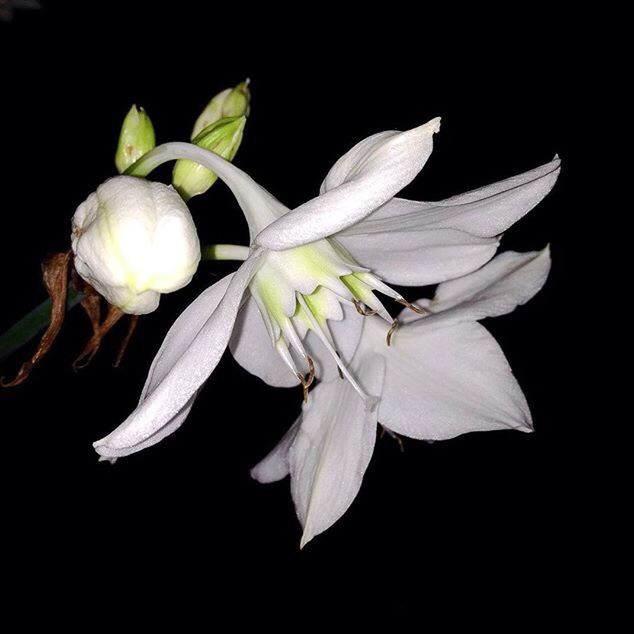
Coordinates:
[458,527]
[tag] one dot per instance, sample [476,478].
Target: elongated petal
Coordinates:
[176,421]
[484,212]
[366,178]
[188,363]
[342,170]
[417,258]
[275,465]
[444,382]
[178,338]
[508,281]
[252,348]
[332,450]
[183,332]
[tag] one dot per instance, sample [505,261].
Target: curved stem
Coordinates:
[259,207]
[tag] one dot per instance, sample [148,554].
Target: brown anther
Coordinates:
[55,278]
[390,332]
[91,348]
[417,309]
[362,309]
[134,320]
[307,380]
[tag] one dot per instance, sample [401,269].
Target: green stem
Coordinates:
[225,252]
[31,324]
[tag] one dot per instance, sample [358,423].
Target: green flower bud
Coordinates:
[135,140]
[222,137]
[232,102]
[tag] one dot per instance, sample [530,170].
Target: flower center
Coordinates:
[299,290]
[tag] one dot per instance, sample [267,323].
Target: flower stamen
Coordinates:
[417,309]
[367,399]
[307,380]
[364,310]
[391,331]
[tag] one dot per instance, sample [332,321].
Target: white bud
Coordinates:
[134,239]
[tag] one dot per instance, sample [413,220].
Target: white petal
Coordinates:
[366,178]
[252,348]
[332,450]
[183,331]
[508,281]
[259,206]
[275,465]
[179,336]
[341,171]
[188,362]
[444,382]
[417,258]
[484,212]
[170,428]
[345,338]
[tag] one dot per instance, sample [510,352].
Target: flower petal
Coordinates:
[182,365]
[485,212]
[179,336]
[251,347]
[183,331]
[345,333]
[165,431]
[275,465]
[508,281]
[444,382]
[332,450]
[345,166]
[417,258]
[366,178]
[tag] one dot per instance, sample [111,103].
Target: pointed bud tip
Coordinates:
[135,139]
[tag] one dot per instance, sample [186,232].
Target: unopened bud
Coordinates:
[223,138]
[134,239]
[136,138]
[232,102]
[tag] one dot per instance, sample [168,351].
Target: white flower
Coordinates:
[133,240]
[309,268]
[444,375]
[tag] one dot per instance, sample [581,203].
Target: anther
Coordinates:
[390,332]
[307,380]
[362,309]
[311,370]
[417,309]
